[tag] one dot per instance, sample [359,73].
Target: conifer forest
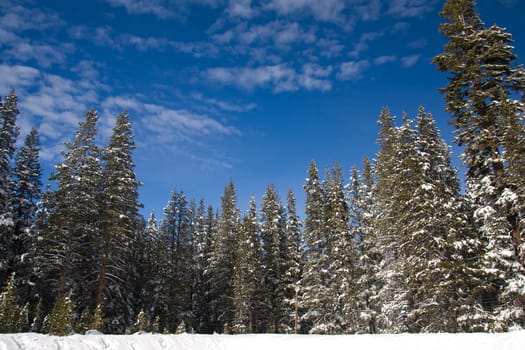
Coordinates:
[403,244]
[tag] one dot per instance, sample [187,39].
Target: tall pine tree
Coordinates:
[483,83]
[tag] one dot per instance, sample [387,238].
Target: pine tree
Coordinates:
[361,201]
[222,257]
[141,323]
[8,134]
[435,237]
[272,235]
[314,298]
[176,228]
[341,254]
[483,83]
[28,192]
[61,319]
[202,243]
[69,221]
[294,268]
[9,308]
[386,279]
[120,219]
[246,274]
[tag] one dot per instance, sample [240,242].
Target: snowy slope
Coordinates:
[502,341]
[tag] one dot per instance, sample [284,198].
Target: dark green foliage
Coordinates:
[222,257]
[484,82]
[120,222]
[247,275]
[8,134]
[61,320]
[12,316]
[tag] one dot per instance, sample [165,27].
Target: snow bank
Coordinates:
[480,341]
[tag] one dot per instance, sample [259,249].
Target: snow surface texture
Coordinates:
[480,341]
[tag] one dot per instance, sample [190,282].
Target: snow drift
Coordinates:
[479,341]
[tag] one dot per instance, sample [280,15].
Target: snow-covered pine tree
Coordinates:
[220,263]
[177,283]
[294,268]
[69,222]
[313,292]
[340,282]
[202,242]
[435,236]
[8,134]
[120,219]
[387,281]
[274,260]
[361,203]
[482,94]
[246,274]
[28,192]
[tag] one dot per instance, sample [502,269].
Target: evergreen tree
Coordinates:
[380,245]
[8,134]
[176,227]
[341,250]
[202,243]
[483,83]
[246,274]
[61,319]
[293,275]
[141,323]
[274,261]
[222,257]
[69,221]
[9,308]
[434,231]
[361,202]
[28,192]
[120,219]
[314,292]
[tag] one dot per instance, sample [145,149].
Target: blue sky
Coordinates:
[219,89]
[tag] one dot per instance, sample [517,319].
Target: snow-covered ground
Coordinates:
[502,341]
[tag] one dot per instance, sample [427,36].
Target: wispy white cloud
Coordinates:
[385,59]
[157,8]
[409,61]
[222,105]
[327,10]
[279,77]
[352,70]
[410,8]
[241,9]
[19,18]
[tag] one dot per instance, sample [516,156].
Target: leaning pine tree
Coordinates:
[484,81]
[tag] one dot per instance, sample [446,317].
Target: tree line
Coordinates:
[399,246]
